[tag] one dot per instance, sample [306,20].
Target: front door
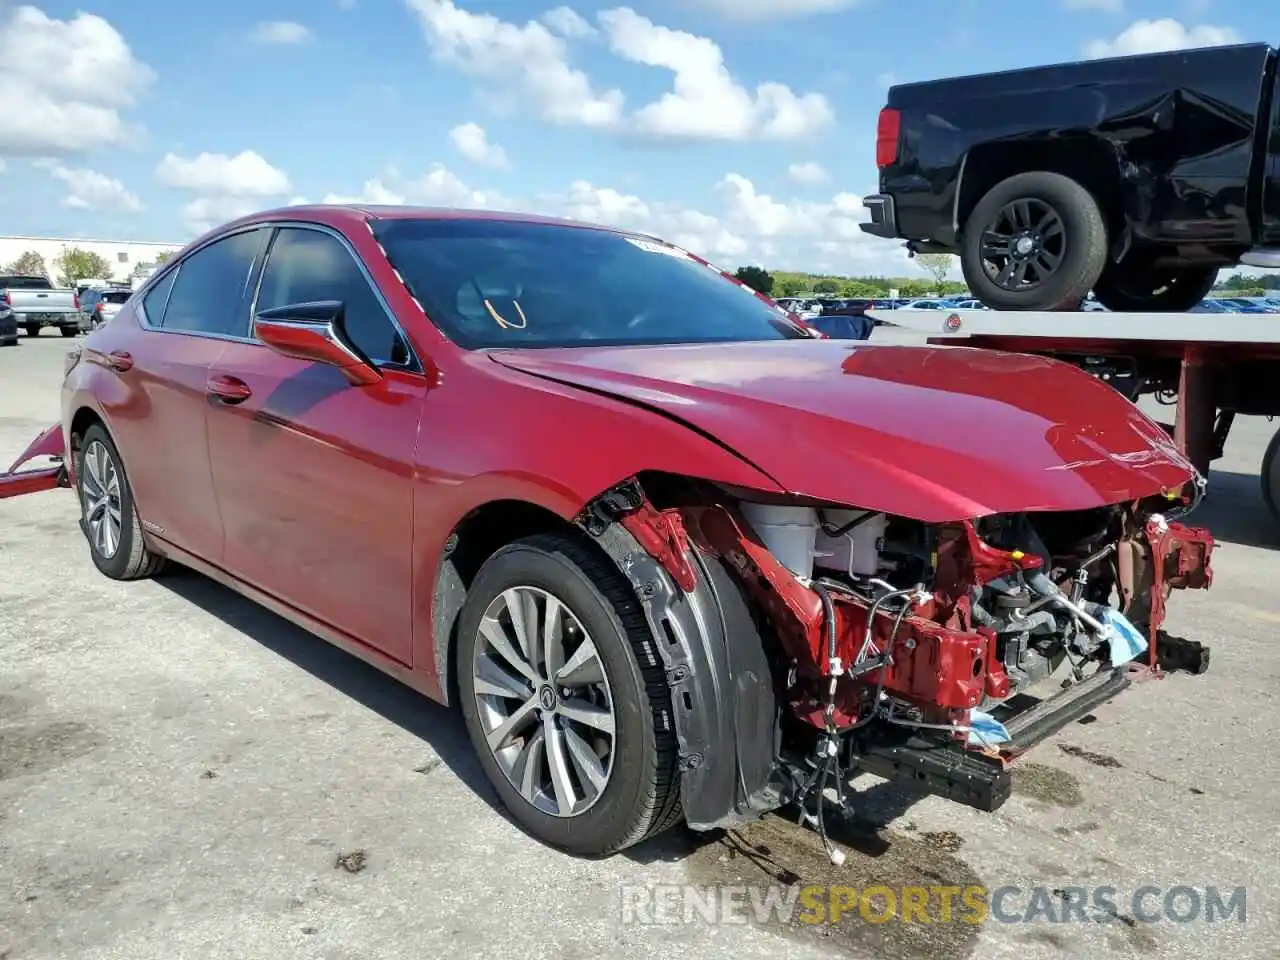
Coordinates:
[314,476]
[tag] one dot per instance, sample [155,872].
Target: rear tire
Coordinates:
[628,787]
[33,329]
[1134,286]
[1270,476]
[1036,241]
[69,331]
[107,513]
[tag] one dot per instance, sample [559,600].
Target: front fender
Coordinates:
[727,715]
[49,443]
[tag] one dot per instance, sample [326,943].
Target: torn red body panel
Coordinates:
[15,482]
[942,662]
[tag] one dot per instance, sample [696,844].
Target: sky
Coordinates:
[743,130]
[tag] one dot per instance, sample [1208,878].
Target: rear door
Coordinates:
[314,476]
[158,418]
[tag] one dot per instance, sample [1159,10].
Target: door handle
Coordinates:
[120,360]
[228,389]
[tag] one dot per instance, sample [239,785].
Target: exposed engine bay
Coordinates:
[901,648]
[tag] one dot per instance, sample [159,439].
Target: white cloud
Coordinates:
[568,23]
[773,9]
[527,63]
[706,103]
[473,143]
[374,191]
[246,174]
[205,213]
[279,33]
[808,173]
[225,186]
[1098,6]
[745,225]
[91,190]
[1158,36]
[64,83]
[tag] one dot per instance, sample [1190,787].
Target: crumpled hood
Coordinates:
[934,433]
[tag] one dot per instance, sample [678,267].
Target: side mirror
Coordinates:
[311,331]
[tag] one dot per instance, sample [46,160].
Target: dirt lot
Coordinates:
[184,774]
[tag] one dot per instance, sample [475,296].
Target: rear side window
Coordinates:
[153,302]
[309,265]
[207,295]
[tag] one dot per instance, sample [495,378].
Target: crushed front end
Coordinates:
[908,649]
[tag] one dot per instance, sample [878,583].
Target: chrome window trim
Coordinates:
[176,268]
[413,366]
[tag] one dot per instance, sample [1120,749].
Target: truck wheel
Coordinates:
[1036,241]
[1136,286]
[1271,477]
[69,331]
[33,329]
[108,518]
[565,699]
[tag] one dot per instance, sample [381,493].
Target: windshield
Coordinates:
[494,283]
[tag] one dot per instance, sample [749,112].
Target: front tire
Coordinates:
[565,698]
[1136,286]
[108,516]
[69,331]
[33,329]
[1035,241]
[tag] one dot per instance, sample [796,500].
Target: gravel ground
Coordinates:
[185,775]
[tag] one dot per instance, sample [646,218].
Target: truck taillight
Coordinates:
[887,131]
[6,299]
[75,299]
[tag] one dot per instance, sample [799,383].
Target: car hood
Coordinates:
[933,433]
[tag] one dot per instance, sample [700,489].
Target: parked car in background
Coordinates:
[926,303]
[37,303]
[1137,177]
[1211,306]
[1247,304]
[99,306]
[8,326]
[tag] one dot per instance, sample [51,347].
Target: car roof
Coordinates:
[352,214]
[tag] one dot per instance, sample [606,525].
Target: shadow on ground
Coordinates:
[439,727]
[1233,510]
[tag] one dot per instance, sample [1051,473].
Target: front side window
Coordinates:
[305,266]
[208,292]
[494,283]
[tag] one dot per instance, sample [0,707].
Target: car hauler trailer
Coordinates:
[1209,368]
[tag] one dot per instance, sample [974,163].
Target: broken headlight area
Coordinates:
[911,650]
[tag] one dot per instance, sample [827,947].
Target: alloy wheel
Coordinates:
[100,491]
[1025,245]
[544,701]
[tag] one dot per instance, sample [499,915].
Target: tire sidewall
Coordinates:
[1084,255]
[116,565]
[616,811]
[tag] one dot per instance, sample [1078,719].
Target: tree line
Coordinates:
[69,267]
[786,283]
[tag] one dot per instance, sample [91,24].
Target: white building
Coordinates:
[128,258]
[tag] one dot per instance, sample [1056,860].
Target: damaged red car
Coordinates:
[672,557]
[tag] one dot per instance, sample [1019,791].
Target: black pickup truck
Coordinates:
[1137,177]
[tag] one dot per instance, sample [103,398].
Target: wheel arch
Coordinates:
[483,531]
[1091,161]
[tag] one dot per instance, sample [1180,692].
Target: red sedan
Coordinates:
[672,556]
